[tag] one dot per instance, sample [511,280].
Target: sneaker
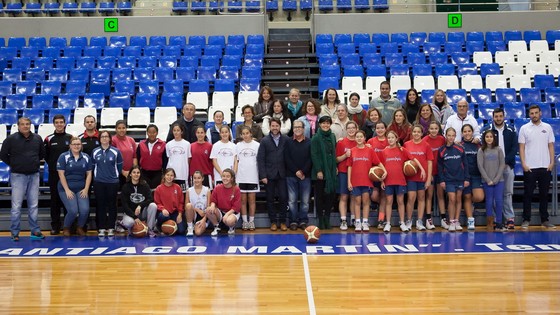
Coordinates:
[381,225]
[119,228]
[365,227]
[352,221]
[216,231]
[152,233]
[510,224]
[548,225]
[273,227]
[444,224]
[37,236]
[404,227]
[343,225]
[387,227]
[470,224]
[231,231]
[251,226]
[15,238]
[430,224]
[245,226]
[499,227]
[358,228]
[293,226]
[525,225]
[101,233]
[451,226]
[55,231]
[458,226]
[190,231]
[409,224]
[420,226]
[111,232]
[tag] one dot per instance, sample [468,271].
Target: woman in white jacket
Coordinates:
[280,111]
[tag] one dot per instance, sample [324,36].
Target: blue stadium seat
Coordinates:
[79,74]
[255,49]
[495,46]
[530,95]
[16,101]
[100,87]
[148,86]
[36,115]
[85,63]
[232,61]
[27,88]
[180,7]
[392,59]
[350,60]
[379,38]
[94,100]
[185,73]
[143,74]
[224,85]
[177,40]
[76,86]
[545,109]
[253,60]
[325,5]
[421,70]
[344,38]
[324,48]
[235,6]
[438,58]
[5,88]
[455,95]
[489,68]
[70,8]
[431,47]
[328,82]
[93,51]
[100,74]
[552,95]
[472,46]
[172,100]
[253,6]
[140,41]
[251,72]
[530,35]
[146,100]
[456,37]
[466,69]
[153,50]
[380,5]
[217,40]
[21,63]
[8,116]
[367,48]
[453,47]
[198,6]
[37,41]
[199,85]
[330,71]
[436,37]
[480,96]
[147,62]
[428,96]
[4,173]
[173,86]
[418,38]
[35,74]
[12,75]
[29,52]
[124,7]
[172,51]
[14,8]
[17,42]
[512,35]
[216,6]
[376,70]
[121,100]
[475,37]
[87,7]
[106,8]
[398,69]
[255,39]
[132,51]
[234,50]
[51,87]
[249,84]
[388,48]
[228,72]
[69,101]
[59,75]
[543,81]
[121,74]
[51,8]
[100,41]
[354,71]
[552,36]
[167,62]
[505,95]
[401,96]
[59,111]
[126,62]
[125,86]
[45,63]
[399,38]
[106,62]
[361,38]
[324,39]
[459,58]
[343,5]
[163,74]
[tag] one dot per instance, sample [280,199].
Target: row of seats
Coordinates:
[421,38]
[122,41]
[70,8]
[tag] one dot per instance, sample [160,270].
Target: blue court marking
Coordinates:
[287,244]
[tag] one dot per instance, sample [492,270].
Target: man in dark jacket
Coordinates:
[189,124]
[507,140]
[56,144]
[297,156]
[272,172]
[23,152]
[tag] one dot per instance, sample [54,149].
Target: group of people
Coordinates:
[200,177]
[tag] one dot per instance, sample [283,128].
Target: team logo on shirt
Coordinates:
[137,198]
[247,153]
[225,152]
[543,131]
[177,151]
[393,159]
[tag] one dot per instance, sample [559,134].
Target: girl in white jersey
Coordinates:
[178,152]
[223,154]
[248,176]
[197,200]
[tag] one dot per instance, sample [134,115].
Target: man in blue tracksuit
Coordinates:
[507,141]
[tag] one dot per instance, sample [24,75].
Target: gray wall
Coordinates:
[129,26]
[435,22]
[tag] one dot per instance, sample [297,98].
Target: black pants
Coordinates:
[277,187]
[56,204]
[106,200]
[323,201]
[530,179]
[153,178]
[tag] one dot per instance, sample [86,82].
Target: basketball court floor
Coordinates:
[258,273]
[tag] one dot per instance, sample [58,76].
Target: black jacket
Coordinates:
[55,145]
[297,156]
[22,154]
[133,196]
[189,128]
[270,158]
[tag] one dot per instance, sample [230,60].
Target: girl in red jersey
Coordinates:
[416,186]
[361,160]
[343,148]
[378,144]
[225,204]
[200,157]
[435,140]
[393,158]
[170,201]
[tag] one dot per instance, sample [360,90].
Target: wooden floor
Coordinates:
[342,284]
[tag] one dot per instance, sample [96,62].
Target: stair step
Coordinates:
[289,50]
[287,72]
[289,43]
[288,85]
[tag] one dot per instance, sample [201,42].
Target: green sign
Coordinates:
[455,20]
[111,25]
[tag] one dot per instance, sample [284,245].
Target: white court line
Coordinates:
[310,299]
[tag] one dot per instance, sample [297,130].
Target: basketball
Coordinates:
[139,230]
[410,168]
[169,227]
[376,173]
[312,234]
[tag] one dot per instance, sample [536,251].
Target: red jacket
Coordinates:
[227,198]
[154,161]
[170,198]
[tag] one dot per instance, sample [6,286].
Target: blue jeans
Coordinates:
[76,208]
[298,190]
[494,196]
[508,193]
[24,186]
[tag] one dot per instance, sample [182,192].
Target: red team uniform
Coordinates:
[341,147]
[435,144]
[393,159]
[361,160]
[423,153]
[378,145]
[200,160]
